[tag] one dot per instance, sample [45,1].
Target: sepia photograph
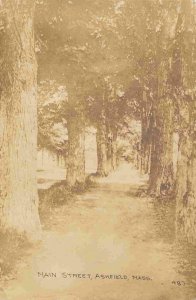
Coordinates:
[97,149]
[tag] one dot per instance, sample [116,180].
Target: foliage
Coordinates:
[86,51]
[52,132]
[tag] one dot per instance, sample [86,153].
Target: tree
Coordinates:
[18,117]
[185,97]
[162,170]
[52,124]
[76,143]
[152,69]
[101,137]
[72,53]
[73,40]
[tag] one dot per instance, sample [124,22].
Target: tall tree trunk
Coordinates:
[18,121]
[186,179]
[161,180]
[145,149]
[186,173]
[114,147]
[101,146]
[161,171]
[109,146]
[76,149]
[146,134]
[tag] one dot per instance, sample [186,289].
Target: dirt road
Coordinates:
[107,245]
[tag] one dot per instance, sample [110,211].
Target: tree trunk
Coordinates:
[111,136]
[145,149]
[101,148]
[109,147]
[186,172]
[161,171]
[186,186]
[114,147]
[18,121]
[161,180]
[146,145]
[76,150]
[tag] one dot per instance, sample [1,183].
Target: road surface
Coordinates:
[108,244]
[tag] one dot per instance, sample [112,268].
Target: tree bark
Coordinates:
[161,171]
[76,149]
[102,169]
[18,121]
[111,137]
[186,171]
[109,146]
[146,134]
[186,184]
[161,179]
[145,149]
[114,147]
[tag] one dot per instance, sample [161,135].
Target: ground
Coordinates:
[110,230]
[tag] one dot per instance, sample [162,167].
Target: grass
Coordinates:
[13,248]
[60,193]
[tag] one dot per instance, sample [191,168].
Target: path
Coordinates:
[105,231]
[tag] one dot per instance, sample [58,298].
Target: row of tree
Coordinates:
[169,108]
